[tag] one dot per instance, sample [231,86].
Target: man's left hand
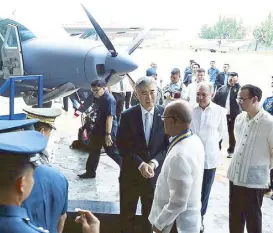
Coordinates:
[156,230]
[108,140]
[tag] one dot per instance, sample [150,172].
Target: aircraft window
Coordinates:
[24,33]
[12,42]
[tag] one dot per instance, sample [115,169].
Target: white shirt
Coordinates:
[192,93]
[228,102]
[178,188]
[253,155]
[151,115]
[116,88]
[127,85]
[210,125]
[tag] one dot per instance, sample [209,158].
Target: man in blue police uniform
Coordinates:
[18,156]
[47,203]
[45,124]
[102,128]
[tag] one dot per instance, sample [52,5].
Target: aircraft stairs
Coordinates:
[11,83]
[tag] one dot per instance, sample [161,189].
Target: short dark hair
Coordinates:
[12,166]
[192,61]
[196,64]
[233,74]
[212,61]
[253,91]
[99,82]
[175,71]
[201,70]
[39,125]
[226,64]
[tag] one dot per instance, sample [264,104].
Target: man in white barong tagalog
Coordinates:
[177,196]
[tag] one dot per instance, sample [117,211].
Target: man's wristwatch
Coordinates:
[108,134]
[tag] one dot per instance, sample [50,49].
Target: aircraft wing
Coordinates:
[85,30]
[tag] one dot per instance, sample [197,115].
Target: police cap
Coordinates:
[11,125]
[45,115]
[150,72]
[23,143]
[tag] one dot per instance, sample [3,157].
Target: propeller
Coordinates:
[117,63]
[105,40]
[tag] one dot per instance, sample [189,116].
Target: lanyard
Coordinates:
[179,138]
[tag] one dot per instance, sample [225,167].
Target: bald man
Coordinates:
[178,190]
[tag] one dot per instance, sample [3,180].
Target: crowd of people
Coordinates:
[167,143]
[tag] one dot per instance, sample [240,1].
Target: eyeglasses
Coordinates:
[95,91]
[167,117]
[241,100]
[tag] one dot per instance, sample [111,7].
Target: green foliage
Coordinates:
[224,28]
[264,33]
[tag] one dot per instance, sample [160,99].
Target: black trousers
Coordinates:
[130,192]
[128,99]
[208,179]
[120,99]
[245,207]
[230,126]
[95,145]
[231,137]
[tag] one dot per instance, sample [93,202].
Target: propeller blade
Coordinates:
[138,40]
[105,40]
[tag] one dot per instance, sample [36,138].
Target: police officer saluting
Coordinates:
[18,156]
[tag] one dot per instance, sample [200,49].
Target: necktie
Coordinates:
[121,86]
[147,127]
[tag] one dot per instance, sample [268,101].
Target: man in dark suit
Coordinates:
[226,97]
[142,143]
[222,77]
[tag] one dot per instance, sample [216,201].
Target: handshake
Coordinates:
[172,95]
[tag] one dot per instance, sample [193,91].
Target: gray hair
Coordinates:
[206,85]
[144,82]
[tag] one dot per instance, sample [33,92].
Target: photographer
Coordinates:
[175,89]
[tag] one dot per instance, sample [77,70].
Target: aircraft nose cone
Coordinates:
[122,63]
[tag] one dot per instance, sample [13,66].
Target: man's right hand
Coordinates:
[90,224]
[147,171]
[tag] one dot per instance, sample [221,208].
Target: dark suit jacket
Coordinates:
[132,144]
[221,95]
[188,79]
[220,80]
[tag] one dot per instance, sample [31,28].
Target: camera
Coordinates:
[169,95]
